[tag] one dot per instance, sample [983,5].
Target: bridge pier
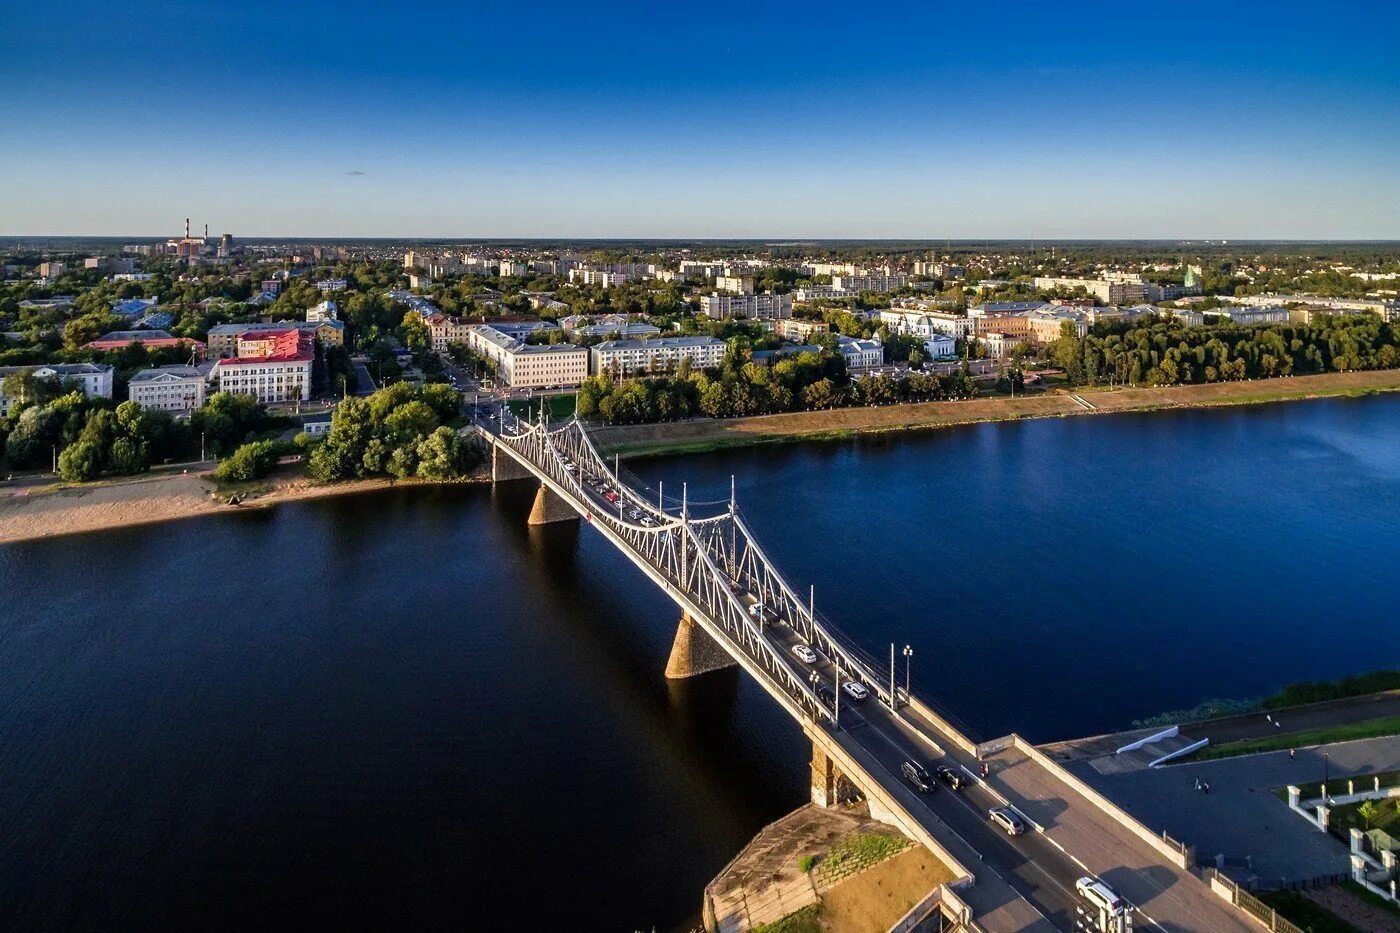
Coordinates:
[694,652]
[549,508]
[504,466]
[830,788]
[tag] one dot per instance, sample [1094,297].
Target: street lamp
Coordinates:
[908,653]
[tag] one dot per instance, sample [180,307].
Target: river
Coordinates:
[408,708]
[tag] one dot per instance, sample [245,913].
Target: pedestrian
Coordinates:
[1268,717]
[1198,783]
[1205,786]
[1277,725]
[1292,753]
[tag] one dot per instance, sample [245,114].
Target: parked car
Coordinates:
[915,774]
[949,776]
[1100,895]
[855,690]
[1008,820]
[804,654]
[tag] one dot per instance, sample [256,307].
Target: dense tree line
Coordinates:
[740,386]
[90,437]
[399,431]
[1169,353]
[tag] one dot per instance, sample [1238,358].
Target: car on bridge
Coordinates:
[804,654]
[950,776]
[915,774]
[1101,896]
[610,496]
[855,690]
[1007,819]
[826,694]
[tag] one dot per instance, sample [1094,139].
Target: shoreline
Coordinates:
[60,510]
[706,435]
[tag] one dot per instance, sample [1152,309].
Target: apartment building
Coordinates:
[626,357]
[272,365]
[1116,291]
[767,306]
[223,338]
[94,379]
[823,293]
[445,330]
[735,284]
[522,365]
[332,285]
[513,268]
[176,389]
[1047,324]
[793,328]
[870,283]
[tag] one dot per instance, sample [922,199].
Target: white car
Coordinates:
[1100,895]
[855,690]
[804,654]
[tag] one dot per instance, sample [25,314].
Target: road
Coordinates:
[1025,882]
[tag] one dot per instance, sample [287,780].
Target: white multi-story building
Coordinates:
[823,293]
[273,366]
[1259,315]
[605,278]
[697,269]
[177,389]
[94,379]
[766,306]
[332,285]
[514,268]
[869,283]
[325,311]
[522,365]
[735,284]
[625,357]
[1121,290]
[936,345]
[861,354]
[926,323]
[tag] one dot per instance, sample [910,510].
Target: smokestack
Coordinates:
[187,228]
[206,231]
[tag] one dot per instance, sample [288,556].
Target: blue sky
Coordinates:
[702,120]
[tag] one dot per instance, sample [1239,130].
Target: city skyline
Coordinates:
[726,122]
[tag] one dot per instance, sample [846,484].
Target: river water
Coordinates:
[408,708]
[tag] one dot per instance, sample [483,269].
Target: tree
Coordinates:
[249,462]
[1368,812]
[130,456]
[80,462]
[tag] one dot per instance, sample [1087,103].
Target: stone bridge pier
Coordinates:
[694,652]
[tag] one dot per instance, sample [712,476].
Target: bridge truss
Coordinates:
[711,565]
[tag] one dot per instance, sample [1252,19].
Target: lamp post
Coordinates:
[908,653]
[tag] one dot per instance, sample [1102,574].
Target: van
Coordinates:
[1100,895]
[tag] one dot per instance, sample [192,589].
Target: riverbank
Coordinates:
[703,435]
[32,512]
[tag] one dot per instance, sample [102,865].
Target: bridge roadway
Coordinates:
[1021,883]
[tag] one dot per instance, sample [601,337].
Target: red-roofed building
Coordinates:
[273,365]
[151,339]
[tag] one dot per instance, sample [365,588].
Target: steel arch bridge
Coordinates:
[711,565]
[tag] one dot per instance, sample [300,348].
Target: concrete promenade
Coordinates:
[1241,817]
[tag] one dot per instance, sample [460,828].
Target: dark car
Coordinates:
[948,776]
[915,774]
[826,695]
